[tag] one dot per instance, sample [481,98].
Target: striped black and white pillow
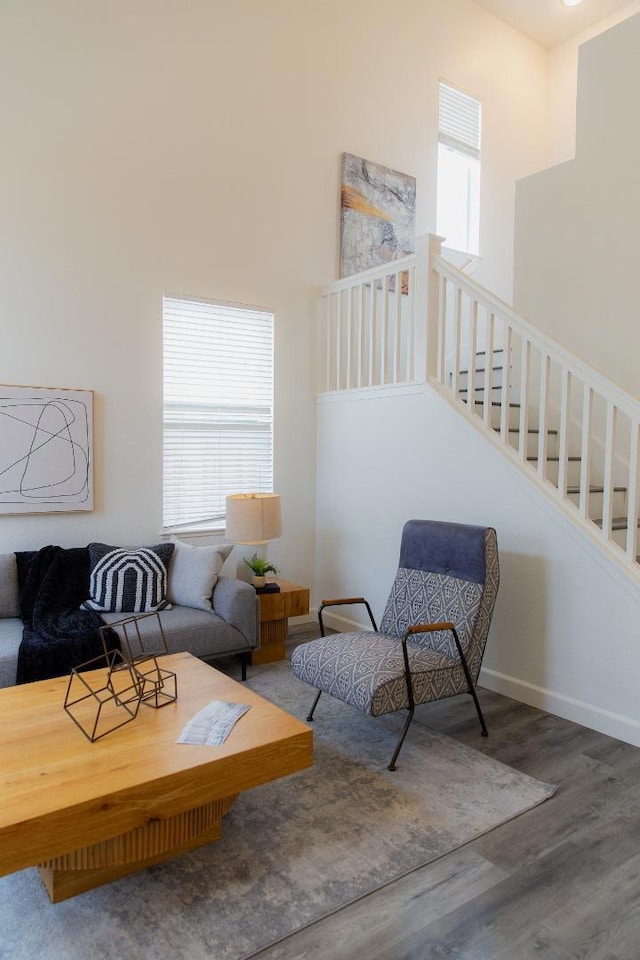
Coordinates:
[127,580]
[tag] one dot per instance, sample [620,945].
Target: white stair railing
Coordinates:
[421,319]
[573,429]
[372,331]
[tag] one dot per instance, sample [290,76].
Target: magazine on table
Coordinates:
[212,725]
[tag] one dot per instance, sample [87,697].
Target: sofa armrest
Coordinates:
[237,603]
[9,590]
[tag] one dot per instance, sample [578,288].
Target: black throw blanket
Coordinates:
[57,635]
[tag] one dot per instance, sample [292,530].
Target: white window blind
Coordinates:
[459,120]
[218,408]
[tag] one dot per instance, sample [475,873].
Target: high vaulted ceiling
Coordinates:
[549,21]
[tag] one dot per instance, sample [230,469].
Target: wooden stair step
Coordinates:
[532,430]
[479,389]
[495,403]
[480,370]
[557,459]
[617,523]
[596,488]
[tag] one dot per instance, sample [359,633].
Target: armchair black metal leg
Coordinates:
[485,732]
[315,704]
[244,660]
[407,723]
[470,684]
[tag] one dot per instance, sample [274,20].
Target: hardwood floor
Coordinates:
[561,882]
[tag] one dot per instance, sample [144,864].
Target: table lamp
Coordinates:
[252,520]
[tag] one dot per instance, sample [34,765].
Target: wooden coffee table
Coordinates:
[88,813]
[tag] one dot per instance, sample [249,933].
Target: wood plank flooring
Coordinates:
[561,882]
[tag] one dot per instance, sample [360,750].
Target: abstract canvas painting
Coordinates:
[46,444]
[378,209]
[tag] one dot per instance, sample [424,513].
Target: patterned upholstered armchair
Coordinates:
[432,635]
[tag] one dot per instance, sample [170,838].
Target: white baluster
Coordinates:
[397,330]
[506,380]
[442,329]
[543,414]
[457,322]
[632,505]
[373,311]
[488,365]
[338,340]
[524,397]
[410,366]
[565,404]
[585,452]
[609,445]
[473,360]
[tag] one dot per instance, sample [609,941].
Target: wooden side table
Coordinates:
[275,610]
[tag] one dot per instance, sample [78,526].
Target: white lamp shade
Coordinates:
[253,517]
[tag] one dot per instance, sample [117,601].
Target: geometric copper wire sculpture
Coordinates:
[159,686]
[100,704]
[103,703]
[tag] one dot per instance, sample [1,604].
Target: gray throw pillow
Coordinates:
[128,580]
[193,572]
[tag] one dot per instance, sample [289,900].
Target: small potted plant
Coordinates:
[260,568]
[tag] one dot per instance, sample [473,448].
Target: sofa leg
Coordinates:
[244,658]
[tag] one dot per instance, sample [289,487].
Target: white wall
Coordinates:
[564,634]
[563,85]
[576,224]
[192,147]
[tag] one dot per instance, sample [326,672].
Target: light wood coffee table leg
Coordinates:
[156,841]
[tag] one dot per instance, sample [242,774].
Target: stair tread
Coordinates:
[478,389]
[557,459]
[596,488]
[617,523]
[480,370]
[496,403]
[533,430]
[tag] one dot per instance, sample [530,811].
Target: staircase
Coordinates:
[574,434]
[595,499]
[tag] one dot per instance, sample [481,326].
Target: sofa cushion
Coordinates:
[200,632]
[193,572]
[9,593]
[128,580]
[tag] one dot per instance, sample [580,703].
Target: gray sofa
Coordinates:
[229,626]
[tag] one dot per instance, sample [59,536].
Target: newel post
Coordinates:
[427,296]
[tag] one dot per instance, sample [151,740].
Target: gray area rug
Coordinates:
[291,852]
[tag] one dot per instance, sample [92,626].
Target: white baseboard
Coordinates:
[305,618]
[596,718]
[343,624]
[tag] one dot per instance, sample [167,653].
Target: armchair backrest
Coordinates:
[446,571]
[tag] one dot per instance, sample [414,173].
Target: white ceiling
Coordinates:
[549,21]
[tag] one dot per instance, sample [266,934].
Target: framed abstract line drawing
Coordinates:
[46,449]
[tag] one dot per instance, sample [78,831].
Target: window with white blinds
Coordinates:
[459,120]
[459,137]
[218,408]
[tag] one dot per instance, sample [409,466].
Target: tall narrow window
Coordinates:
[459,130]
[218,409]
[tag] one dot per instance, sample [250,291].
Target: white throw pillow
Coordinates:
[193,572]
